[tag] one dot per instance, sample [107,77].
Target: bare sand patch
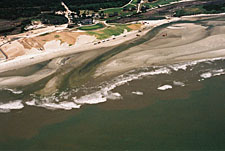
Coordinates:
[63,37]
[84,39]
[184,34]
[14,50]
[37,44]
[218,30]
[135,26]
[2,57]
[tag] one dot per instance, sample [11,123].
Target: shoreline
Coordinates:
[27,60]
[178,43]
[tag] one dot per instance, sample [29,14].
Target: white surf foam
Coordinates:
[96,97]
[178,83]
[104,92]
[165,87]
[13,90]
[114,96]
[53,106]
[212,73]
[218,72]
[12,105]
[93,98]
[206,75]
[184,66]
[62,105]
[138,93]
[31,103]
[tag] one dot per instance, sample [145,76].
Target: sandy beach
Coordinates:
[54,49]
[175,43]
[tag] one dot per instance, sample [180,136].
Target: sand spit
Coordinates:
[171,45]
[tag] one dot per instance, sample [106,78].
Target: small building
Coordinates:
[87,21]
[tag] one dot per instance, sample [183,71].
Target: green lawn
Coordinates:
[113,10]
[110,31]
[92,27]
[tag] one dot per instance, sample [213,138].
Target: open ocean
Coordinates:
[173,107]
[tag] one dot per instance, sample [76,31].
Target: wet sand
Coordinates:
[191,38]
[127,121]
[178,42]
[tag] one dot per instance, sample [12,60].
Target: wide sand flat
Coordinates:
[181,42]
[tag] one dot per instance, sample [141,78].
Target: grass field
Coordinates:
[121,12]
[113,10]
[209,9]
[92,27]
[110,31]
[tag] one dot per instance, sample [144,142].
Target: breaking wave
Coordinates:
[14,91]
[138,93]
[68,100]
[103,93]
[12,105]
[165,87]
[212,73]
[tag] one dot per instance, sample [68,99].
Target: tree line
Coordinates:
[15,9]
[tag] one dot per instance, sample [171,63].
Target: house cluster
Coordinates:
[76,18]
[35,24]
[87,17]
